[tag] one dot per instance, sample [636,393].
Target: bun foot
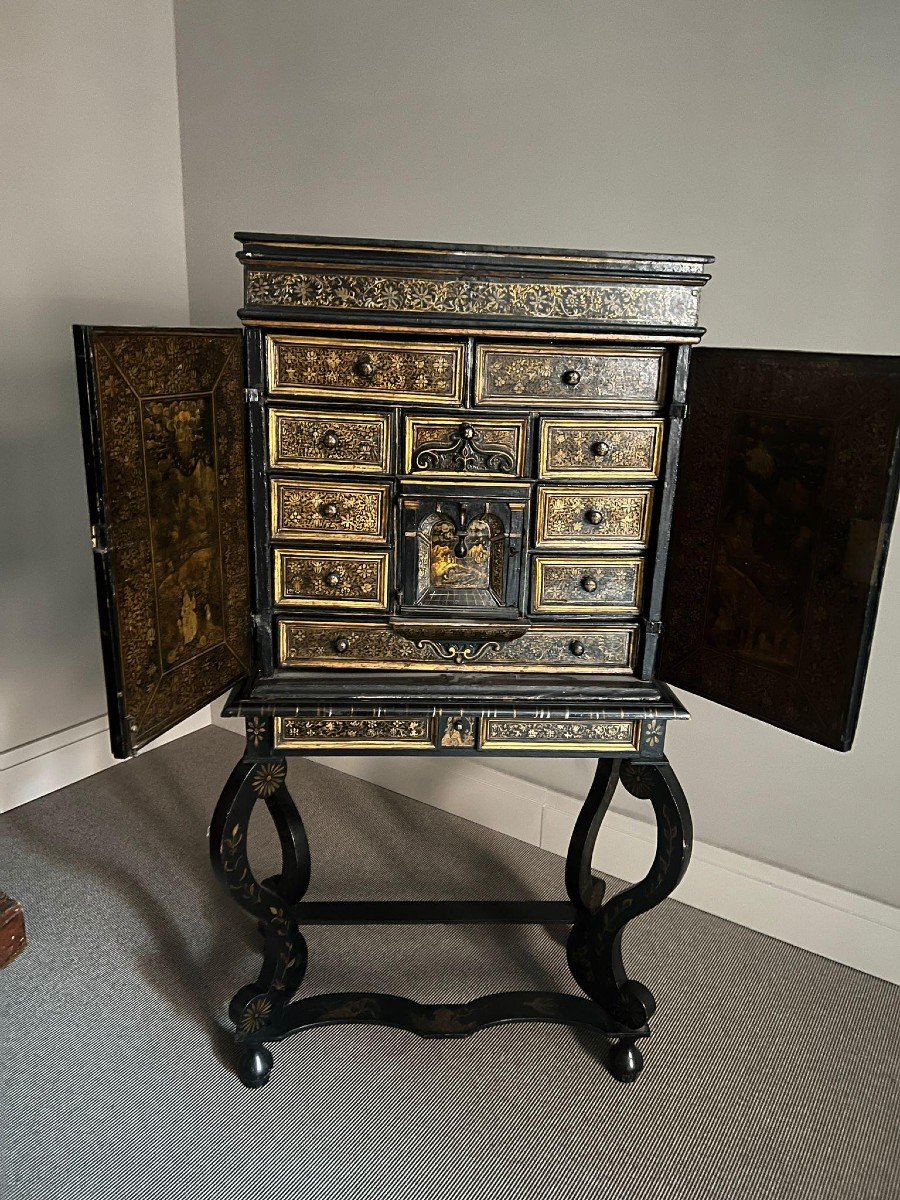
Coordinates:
[625,1062]
[255,1066]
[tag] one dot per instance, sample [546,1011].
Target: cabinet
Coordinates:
[424,501]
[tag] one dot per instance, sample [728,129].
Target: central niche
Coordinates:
[461,560]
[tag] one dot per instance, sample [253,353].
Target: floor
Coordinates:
[771,1073]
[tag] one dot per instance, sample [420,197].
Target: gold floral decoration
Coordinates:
[256,728]
[268,778]
[255,1015]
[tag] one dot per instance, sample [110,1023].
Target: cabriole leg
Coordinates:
[594,947]
[257,1009]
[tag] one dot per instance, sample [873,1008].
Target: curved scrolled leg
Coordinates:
[258,1008]
[594,948]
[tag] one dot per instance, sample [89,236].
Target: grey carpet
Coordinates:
[771,1073]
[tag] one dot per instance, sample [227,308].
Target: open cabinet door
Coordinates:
[783,510]
[163,426]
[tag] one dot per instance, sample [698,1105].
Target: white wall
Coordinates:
[93,231]
[767,134]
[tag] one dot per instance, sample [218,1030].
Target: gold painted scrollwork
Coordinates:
[631,303]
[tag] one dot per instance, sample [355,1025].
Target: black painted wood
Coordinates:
[433,912]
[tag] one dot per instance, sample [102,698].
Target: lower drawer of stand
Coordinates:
[540,735]
[379,646]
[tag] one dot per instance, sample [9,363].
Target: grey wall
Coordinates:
[93,232]
[767,134]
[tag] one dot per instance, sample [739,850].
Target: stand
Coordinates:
[616,1006]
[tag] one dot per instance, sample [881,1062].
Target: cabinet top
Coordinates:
[293,278]
[301,246]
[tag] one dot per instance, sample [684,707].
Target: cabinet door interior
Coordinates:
[785,499]
[163,426]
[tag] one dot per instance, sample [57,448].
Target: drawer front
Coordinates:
[323,441]
[557,733]
[526,377]
[427,371]
[616,518]
[359,645]
[305,512]
[356,733]
[339,579]
[586,585]
[572,449]
[449,446]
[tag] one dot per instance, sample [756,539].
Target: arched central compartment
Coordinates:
[460,561]
[462,549]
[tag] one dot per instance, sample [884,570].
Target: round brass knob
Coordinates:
[365,367]
[332,579]
[589,583]
[467,431]
[330,440]
[600,449]
[341,645]
[571,377]
[593,516]
[329,510]
[576,648]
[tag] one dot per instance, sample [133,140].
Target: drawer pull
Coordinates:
[571,377]
[576,648]
[332,579]
[341,645]
[330,440]
[594,516]
[589,583]
[329,510]
[365,367]
[601,449]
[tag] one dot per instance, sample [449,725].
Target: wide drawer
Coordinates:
[358,645]
[586,585]
[349,512]
[322,441]
[427,371]
[616,518]
[356,733]
[507,375]
[336,579]
[573,449]
[557,733]
[449,446]
[518,735]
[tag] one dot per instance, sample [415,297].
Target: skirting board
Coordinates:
[837,924]
[53,762]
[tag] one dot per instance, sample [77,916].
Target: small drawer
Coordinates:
[449,446]
[572,449]
[339,579]
[357,645]
[426,371]
[586,585]
[566,734]
[558,377]
[323,441]
[355,733]
[350,513]
[615,518]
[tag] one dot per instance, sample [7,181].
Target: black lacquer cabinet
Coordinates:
[424,502]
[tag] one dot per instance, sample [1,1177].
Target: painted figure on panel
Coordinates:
[180,456]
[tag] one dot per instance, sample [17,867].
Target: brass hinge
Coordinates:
[95,541]
[655,627]
[678,411]
[252,395]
